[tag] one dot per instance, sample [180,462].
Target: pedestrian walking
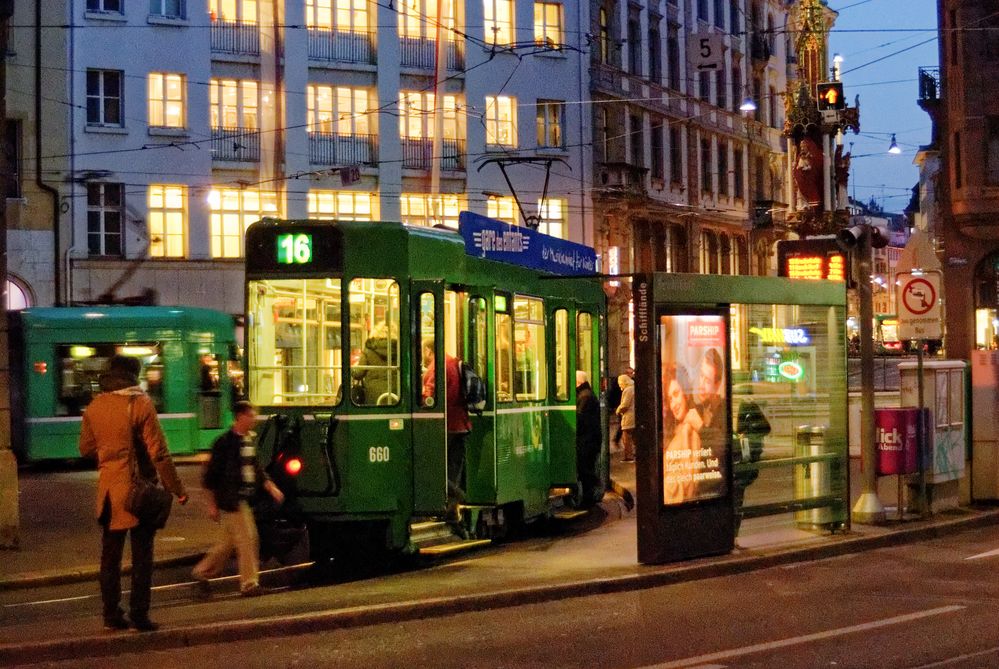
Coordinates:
[231,478]
[626,411]
[120,427]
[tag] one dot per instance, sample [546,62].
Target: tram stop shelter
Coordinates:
[741,409]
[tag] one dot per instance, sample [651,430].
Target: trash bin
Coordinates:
[812,479]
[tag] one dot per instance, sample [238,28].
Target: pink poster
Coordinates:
[695,415]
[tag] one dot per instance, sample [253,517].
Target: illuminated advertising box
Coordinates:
[694,410]
[811,259]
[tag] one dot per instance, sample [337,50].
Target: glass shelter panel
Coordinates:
[788,412]
[374,342]
[294,341]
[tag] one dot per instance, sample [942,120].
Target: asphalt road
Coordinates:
[919,605]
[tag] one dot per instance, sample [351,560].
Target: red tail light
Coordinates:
[293,466]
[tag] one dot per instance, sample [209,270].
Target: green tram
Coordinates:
[366,463]
[190,368]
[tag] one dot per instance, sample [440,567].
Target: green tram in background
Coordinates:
[366,463]
[190,368]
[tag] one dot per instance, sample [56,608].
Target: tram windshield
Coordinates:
[294,341]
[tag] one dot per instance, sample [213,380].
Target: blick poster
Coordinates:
[695,416]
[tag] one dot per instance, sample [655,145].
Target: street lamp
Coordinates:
[893,147]
[748,105]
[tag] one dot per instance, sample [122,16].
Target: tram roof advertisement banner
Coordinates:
[496,240]
[695,416]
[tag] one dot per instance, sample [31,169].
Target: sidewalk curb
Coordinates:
[84,574]
[290,625]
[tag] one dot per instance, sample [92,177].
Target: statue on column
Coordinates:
[808,172]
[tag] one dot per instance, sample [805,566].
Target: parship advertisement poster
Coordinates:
[695,415]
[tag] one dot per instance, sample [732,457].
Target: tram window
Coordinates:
[530,368]
[81,366]
[504,358]
[561,355]
[234,370]
[428,340]
[478,340]
[294,341]
[584,346]
[374,342]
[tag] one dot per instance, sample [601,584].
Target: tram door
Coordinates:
[429,427]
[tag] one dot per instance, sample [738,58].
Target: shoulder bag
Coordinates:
[146,500]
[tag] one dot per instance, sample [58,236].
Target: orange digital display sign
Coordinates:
[811,260]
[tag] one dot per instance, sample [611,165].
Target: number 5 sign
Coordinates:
[918,298]
[706,51]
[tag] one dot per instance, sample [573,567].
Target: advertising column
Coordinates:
[682,431]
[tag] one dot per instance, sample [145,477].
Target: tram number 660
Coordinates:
[378,454]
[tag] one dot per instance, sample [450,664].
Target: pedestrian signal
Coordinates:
[829,95]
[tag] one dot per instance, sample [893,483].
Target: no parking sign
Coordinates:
[918,305]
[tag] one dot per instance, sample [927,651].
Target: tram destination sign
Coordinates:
[495,240]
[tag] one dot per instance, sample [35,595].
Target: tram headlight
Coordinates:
[292,466]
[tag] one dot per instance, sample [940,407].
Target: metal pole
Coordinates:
[924,506]
[8,465]
[868,508]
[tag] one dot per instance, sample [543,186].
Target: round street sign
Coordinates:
[918,296]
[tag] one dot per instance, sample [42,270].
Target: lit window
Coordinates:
[343,205]
[548,24]
[171,9]
[234,103]
[418,19]
[416,116]
[551,118]
[501,120]
[166,100]
[339,109]
[105,215]
[244,11]
[552,213]
[421,209]
[167,221]
[340,15]
[104,94]
[502,209]
[232,211]
[498,23]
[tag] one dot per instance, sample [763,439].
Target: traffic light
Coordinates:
[829,95]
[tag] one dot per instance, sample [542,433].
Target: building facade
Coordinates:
[170,126]
[966,134]
[681,174]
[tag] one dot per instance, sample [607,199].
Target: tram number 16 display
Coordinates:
[294,249]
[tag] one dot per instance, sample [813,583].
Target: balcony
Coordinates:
[341,47]
[930,84]
[235,37]
[237,145]
[417,154]
[330,148]
[761,47]
[422,53]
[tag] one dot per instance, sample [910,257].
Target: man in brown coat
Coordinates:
[109,423]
